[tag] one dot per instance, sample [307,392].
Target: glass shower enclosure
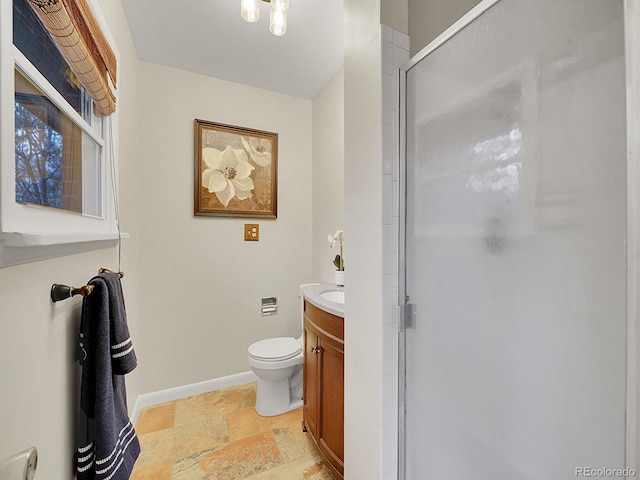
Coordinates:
[514,349]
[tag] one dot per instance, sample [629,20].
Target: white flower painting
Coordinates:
[227,174]
[236,171]
[259,149]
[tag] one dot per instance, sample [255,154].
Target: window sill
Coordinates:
[17,248]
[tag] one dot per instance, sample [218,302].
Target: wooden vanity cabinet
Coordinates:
[323,411]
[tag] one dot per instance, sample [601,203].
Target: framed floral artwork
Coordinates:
[236,171]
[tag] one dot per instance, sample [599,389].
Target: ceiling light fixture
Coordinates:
[249,9]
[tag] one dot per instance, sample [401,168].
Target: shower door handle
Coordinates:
[408,316]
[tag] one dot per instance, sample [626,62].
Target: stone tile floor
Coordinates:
[219,436]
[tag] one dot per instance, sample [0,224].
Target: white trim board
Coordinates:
[155,398]
[632,44]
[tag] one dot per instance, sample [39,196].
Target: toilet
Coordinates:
[278,364]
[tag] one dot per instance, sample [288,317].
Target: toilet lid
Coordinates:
[273,349]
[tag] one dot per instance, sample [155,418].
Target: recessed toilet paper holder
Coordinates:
[269,306]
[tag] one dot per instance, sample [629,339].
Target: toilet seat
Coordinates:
[275,349]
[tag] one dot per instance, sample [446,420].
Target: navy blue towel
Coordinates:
[108,445]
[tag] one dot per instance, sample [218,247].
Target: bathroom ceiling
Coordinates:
[209,37]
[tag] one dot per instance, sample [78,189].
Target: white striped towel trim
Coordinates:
[121,344]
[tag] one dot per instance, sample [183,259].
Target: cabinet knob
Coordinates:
[316,350]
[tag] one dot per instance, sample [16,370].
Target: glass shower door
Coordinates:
[515,246]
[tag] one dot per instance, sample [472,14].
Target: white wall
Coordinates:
[128,176]
[429,18]
[39,378]
[395,14]
[201,284]
[328,174]
[363,244]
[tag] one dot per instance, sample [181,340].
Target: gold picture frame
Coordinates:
[236,171]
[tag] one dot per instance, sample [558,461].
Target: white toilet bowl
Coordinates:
[278,364]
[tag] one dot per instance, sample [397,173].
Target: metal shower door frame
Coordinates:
[632,61]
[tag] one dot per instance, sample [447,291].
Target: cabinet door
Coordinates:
[331,422]
[310,373]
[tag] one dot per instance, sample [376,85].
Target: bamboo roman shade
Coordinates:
[77,34]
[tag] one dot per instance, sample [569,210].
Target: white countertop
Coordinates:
[312,294]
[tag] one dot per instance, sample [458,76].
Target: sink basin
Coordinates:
[337,297]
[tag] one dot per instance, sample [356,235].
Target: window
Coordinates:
[54,157]
[51,148]
[57,160]
[34,42]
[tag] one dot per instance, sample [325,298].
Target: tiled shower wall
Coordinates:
[395,53]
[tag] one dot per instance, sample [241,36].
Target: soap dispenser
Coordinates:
[21,466]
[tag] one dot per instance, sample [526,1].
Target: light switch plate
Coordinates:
[251,232]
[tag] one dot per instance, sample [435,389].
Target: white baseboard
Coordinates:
[155,398]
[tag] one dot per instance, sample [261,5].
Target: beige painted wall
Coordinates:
[128,176]
[429,18]
[394,14]
[202,284]
[328,174]
[39,378]
[363,239]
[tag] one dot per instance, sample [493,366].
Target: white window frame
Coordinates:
[29,233]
